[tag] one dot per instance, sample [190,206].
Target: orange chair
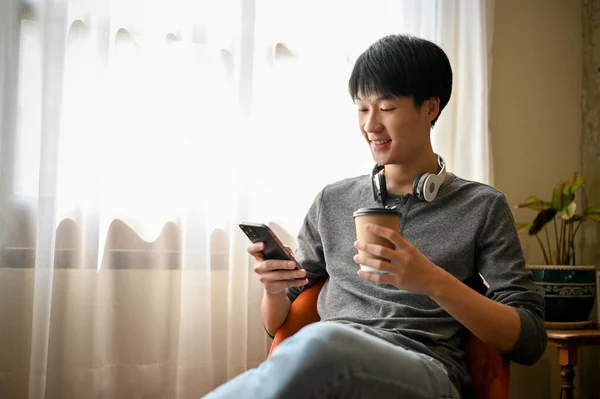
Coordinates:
[488,369]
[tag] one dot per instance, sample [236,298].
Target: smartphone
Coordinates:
[274,249]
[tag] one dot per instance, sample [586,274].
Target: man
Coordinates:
[398,334]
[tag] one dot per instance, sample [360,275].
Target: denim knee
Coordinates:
[325,343]
[325,332]
[331,359]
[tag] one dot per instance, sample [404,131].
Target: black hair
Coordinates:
[403,66]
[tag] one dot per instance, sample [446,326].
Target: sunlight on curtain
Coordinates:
[138,134]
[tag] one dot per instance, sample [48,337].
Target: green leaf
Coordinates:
[557,197]
[541,219]
[568,199]
[592,214]
[569,188]
[576,183]
[568,212]
[569,183]
[521,227]
[533,202]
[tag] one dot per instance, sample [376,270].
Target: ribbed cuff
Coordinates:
[532,341]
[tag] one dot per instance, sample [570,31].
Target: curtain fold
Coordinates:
[52,47]
[136,135]
[465,30]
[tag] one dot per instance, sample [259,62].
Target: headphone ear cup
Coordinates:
[431,187]
[416,188]
[382,188]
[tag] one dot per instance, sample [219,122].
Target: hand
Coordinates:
[276,275]
[407,268]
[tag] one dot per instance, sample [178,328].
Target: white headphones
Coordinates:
[425,186]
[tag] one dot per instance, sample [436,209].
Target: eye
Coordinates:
[387,109]
[363,110]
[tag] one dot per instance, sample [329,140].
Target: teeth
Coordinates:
[381,142]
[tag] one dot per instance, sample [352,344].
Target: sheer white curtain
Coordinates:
[136,135]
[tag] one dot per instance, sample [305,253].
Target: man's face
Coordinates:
[396,130]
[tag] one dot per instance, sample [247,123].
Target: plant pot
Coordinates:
[569,291]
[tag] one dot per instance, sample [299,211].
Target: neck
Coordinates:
[399,178]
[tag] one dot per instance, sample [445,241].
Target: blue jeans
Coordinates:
[332,360]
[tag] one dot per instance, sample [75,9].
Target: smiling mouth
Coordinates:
[380,142]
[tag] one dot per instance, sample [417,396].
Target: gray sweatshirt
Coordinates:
[467,230]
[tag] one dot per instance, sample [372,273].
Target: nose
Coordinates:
[371,123]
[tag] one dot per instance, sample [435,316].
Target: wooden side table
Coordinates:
[568,343]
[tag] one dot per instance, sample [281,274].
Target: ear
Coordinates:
[432,107]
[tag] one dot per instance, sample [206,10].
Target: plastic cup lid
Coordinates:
[376,211]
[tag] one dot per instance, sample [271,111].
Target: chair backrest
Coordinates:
[302,313]
[490,372]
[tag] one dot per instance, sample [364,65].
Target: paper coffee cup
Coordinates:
[385,217]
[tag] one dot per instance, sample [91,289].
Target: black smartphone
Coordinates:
[274,249]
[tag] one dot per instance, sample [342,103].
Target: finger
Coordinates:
[378,264]
[256,247]
[270,265]
[273,264]
[279,286]
[376,277]
[389,234]
[281,275]
[394,256]
[254,250]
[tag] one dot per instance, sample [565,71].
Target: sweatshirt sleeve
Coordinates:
[309,253]
[501,262]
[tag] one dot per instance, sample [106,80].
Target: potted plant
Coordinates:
[568,288]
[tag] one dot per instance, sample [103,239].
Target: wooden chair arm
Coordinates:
[489,371]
